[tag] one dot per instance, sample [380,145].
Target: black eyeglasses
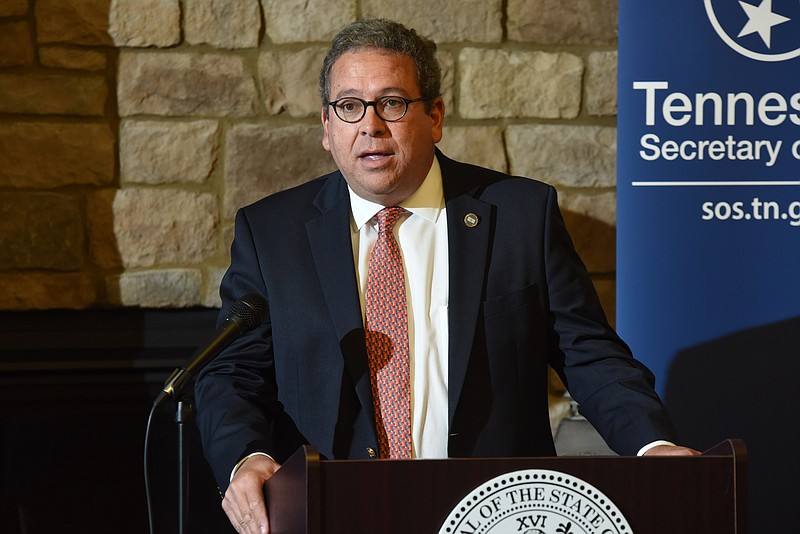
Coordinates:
[389,108]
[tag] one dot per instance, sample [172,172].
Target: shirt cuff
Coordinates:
[243,460]
[653,445]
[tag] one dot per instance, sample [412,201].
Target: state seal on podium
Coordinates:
[535,501]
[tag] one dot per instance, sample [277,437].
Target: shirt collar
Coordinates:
[427,201]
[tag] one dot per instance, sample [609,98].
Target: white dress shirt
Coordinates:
[422,237]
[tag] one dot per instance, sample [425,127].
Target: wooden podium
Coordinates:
[704,494]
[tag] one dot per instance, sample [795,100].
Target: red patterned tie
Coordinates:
[387,340]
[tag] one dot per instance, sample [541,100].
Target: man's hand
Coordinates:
[671,450]
[244,500]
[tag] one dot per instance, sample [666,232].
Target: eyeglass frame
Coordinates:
[374,104]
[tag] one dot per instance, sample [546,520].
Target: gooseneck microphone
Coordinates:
[246,313]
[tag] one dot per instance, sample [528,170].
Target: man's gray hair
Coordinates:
[381,34]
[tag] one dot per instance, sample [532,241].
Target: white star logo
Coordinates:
[761,20]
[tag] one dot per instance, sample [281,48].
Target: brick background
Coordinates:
[132,130]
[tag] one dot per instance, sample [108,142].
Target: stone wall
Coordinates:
[132,130]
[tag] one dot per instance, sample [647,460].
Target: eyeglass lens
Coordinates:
[389,108]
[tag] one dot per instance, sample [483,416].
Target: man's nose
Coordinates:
[371,124]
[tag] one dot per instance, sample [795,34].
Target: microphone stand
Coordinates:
[183,414]
[246,313]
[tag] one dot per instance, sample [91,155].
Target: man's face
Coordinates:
[384,162]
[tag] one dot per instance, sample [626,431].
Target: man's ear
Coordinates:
[437,118]
[325,118]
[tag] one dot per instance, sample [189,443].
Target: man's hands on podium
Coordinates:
[244,501]
[671,450]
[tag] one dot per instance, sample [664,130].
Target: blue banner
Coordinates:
[708,172]
[708,210]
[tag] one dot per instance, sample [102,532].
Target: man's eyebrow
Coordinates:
[386,91]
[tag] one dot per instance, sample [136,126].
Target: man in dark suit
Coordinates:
[492,292]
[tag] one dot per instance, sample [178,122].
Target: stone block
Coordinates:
[13,8]
[40,291]
[53,94]
[479,145]
[448,21]
[227,239]
[591,221]
[584,22]
[16,44]
[69,58]
[601,83]
[166,288]
[298,21]
[142,23]
[37,155]
[223,23]
[158,152]
[40,231]
[262,159]
[447,63]
[185,84]
[103,249]
[164,226]
[562,155]
[290,79]
[214,278]
[519,83]
[82,22]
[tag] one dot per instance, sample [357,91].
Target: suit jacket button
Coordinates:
[371,452]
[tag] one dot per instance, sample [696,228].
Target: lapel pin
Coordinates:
[471,220]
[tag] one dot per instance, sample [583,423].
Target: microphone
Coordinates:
[246,313]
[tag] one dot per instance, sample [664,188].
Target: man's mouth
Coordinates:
[374,155]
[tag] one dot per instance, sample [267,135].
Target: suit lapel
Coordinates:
[330,241]
[469,223]
[329,235]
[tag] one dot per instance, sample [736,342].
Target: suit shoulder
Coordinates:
[292,200]
[490,184]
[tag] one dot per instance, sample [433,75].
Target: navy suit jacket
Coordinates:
[519,299]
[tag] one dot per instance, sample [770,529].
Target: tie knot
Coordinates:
[388,217]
